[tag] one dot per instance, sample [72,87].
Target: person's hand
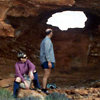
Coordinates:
[31,75]
[26,85]
[49,64]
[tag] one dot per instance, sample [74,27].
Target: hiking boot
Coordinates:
[36,89]
[45,91]
[39,90]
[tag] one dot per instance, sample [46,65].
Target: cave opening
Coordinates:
[67,19]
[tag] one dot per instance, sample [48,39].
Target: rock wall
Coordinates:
[26,8]
[25,21]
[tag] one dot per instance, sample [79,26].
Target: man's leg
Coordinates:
[16,86]
[36,81]
[45,77]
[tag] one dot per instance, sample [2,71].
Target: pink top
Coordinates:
[22,68]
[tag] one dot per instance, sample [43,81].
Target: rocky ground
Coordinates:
[77,83]
[77,51]
[90,92]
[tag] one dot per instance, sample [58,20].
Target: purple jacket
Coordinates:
[23,68]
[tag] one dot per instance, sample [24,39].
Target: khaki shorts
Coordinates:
[28,80]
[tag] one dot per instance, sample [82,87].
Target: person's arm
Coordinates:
[31,75]
[31,69]
[18,73]
[31,66]
[47,52]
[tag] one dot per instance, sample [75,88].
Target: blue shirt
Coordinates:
[46,51]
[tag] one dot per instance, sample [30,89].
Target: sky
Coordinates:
[68,19]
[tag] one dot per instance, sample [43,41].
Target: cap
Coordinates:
[48,31]
[21,55]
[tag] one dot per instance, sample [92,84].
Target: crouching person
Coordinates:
[24,67]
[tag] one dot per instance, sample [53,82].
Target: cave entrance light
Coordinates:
[68,19]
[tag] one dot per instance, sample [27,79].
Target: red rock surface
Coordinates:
[24,8]
[79,93]
[6,29]
[25,19]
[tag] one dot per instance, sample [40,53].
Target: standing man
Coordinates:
[47,57]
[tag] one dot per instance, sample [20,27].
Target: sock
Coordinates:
[36,81]
[15,89]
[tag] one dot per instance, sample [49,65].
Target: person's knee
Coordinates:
[18,79]
[47,74]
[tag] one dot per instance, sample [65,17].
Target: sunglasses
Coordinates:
[24,57]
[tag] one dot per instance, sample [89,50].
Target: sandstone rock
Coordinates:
[82,91]
[3,11]
[74,94]
[6,83]
[54,2]
[97,99]
[24,8]
[32,8]
[25,93]
[38,9]
[70,92]
[96,84]
[6,29]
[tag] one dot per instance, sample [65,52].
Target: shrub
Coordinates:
[5,95]
[56,96]
[29,98]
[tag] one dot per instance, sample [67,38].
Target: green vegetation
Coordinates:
[5,95]
[30,98]
[56,96]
